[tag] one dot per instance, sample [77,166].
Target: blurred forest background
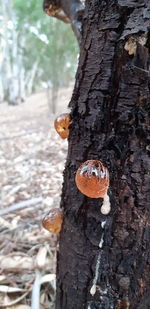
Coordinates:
[38,59]
[37,52]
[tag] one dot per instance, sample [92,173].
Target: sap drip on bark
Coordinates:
[105,209]
[93,288]
[92,179]
[53,220]
[61,125]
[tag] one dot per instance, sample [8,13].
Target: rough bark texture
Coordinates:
[109,109]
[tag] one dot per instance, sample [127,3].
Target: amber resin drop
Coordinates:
[61,125]
[57,12]
[92,179]
[53,220]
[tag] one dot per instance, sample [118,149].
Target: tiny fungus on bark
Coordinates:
[53,220]
[61,125]
[92,179]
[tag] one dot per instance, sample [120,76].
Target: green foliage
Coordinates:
[46,40]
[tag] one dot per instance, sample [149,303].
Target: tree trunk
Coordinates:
[21,77]
[22,72]
[1,90]
[31,76]
[10,54]
[5,66]
[109,108]
[13,85]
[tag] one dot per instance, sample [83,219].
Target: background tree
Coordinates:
[28,40]
[103,261]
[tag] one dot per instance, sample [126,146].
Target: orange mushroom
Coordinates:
[53,220]
[61,125]
[92,179]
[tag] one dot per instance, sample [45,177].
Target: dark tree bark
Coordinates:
[109,109]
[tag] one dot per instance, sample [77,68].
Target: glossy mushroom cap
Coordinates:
[61,125]
[92,179]
[53,221]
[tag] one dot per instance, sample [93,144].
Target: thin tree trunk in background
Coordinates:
[22,91]
[2,46]
[5,47]
[109,123]
[1,90]
[13,86]
[30,77]
[21,73]
[10,65]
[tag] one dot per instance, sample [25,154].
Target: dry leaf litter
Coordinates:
[32,158]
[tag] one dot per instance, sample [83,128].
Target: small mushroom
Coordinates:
[92,179]
[53,220]
[61,125]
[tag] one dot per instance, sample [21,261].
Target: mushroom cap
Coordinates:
[92,179]
[53,220]
[61,125]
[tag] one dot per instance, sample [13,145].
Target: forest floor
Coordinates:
[32,158]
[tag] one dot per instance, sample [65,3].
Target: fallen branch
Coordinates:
[35,301]
[20,134]
[12,192]
[16,300]
[21,205]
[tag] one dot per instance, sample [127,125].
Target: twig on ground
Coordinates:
[15,301]
[20,134]
[35,299]
[21,205]
[12,192]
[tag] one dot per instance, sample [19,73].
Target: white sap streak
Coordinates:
[93,288]
[103,224]
[105,209]
[101,241]
[106,198]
